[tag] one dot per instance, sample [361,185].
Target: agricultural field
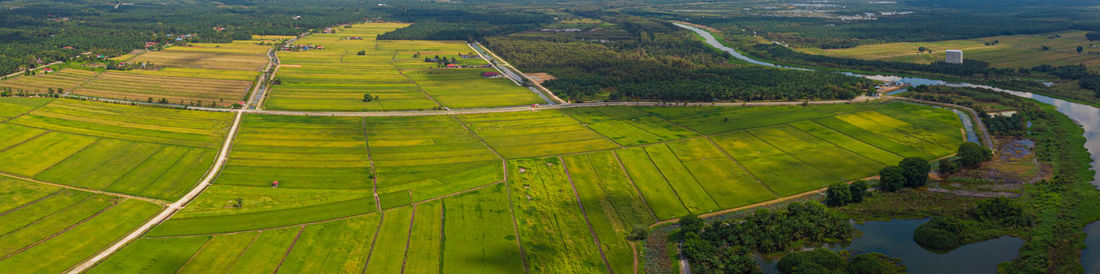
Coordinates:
[204,74]
[428,156]
[66,79]
[49,229]
[148,152]
[535,133]
[337,77]
[542,190]
[1010,51]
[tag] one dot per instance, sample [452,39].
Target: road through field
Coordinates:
[172,208]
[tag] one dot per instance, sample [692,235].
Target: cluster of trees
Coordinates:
[1093,36]
[1005,125]
[724,246]
[910,172]
[663,62]
[41,30]
[826,261]
[433,23]
[970,155]
[840,194]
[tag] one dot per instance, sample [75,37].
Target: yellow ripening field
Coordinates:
[392,72]
[1010,51]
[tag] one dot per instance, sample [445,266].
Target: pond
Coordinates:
[895,239]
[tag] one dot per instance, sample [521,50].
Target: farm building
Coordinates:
[490,74]
[452,66]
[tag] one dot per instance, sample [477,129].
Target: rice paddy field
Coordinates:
[336,77]
[76,176]
[1011,51]
[538,191]
[205,74]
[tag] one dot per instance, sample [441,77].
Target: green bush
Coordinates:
[915,170]
[891,179]
[838,194]
[972,155]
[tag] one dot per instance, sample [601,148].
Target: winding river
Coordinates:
[1085,115]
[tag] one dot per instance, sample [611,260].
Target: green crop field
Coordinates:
[49,229]
[336,77]
[535,133]
[150,152]
[540,190]
[1011,51]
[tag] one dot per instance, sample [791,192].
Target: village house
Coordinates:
[490,74]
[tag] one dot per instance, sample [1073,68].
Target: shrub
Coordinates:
[858,190]
[940,233]
[972,155]
[1004,211]
[838,194]
[891,179]
[915,170]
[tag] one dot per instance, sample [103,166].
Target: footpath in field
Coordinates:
[334,71]
[508,192]
[77,175]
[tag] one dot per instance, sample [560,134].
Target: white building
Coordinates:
[954,56]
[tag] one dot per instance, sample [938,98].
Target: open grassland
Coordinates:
[337,76]
[150,152]
[535,133]
[65,79]
[49,229]
[429,156]
[551,225]
[1011,51]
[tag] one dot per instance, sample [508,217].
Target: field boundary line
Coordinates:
[464,191]
[212,173]
[795,157]
[55,212]
[374,239]
[408,239]
[82,221]
[82,149]
[241,254]
[442,231]
[27,112]
[174,163]
[844,148]
[692,174]
[89,190]
[289,248]
[515,224]
[373,170]
[637,191]
[398,69]
[663,177]
[25,141]
[263,229]
[585,125]
[193,255]
[743,168]
[580,204]
[138,165]
[115,138]
[35,201]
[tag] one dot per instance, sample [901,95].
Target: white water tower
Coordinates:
[954,56]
